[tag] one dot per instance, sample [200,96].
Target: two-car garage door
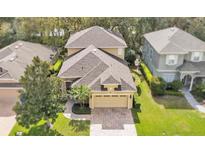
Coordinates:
[109,101]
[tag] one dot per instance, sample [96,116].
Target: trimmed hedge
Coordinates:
[158,86]
[174,85]
[77,109]
[58,65]
[146,72]
[173,93]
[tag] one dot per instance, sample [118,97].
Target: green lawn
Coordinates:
[167,115]
[62,126]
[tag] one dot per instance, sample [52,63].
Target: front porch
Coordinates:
[191,73]
[189,79]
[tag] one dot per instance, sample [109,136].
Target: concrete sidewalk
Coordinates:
[6,124]
[69,114]
[192,101]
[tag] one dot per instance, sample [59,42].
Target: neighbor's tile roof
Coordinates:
[100,68]
[98,36]
[15,57]
[174,40]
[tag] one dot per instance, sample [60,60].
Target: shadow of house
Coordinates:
[135,115]
[79,125]
[173,102]
[139,91]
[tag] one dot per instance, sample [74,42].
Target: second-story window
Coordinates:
[196,56]
[171,59]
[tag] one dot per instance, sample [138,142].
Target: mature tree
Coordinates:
[41,97]
[80,94]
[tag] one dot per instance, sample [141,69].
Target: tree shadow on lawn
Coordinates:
[173,102]
[79,125]
[42,130]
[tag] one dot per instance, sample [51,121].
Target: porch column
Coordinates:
[191,85]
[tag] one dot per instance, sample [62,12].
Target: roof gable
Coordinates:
[97,36]
[111,80]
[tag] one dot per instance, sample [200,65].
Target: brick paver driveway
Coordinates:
[8,98]
[112,122]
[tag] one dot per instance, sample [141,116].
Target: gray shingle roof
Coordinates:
[103,66]
[198,67]
[188,66]
[97,36]
[15,57]
[111,80]
[174,40]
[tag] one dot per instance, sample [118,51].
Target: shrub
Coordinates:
[78,109]
[199,90]
[146,72]
[173,93]
[130,56]
[58,65]
[175,85]
[158,86]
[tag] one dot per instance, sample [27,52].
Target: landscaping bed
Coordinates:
[78,109]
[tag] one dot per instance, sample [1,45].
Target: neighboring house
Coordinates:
[14,59]
[98,63]
[174,54]
[106,40]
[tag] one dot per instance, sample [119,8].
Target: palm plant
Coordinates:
[80,94]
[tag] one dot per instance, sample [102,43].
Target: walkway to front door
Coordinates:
[192,101]
[112,122]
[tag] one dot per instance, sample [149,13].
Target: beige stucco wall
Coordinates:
[120,99]
[8,81]
[113,51]
[73,50]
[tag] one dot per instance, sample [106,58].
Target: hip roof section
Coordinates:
[98,36]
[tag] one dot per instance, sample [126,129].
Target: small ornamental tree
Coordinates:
[41,97]
[80,94]
[158,86]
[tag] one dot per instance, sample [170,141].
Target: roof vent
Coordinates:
[20,44]
[16,47]
[172,29]
[94,50]
[12,58]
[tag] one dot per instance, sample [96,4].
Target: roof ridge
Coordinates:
[114,36]
[87,73]
[86,30]
[89,51]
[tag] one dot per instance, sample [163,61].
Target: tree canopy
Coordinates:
[41,97]
[55,31]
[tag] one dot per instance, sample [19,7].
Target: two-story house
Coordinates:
[174,54]
[96,59]
[104,39]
